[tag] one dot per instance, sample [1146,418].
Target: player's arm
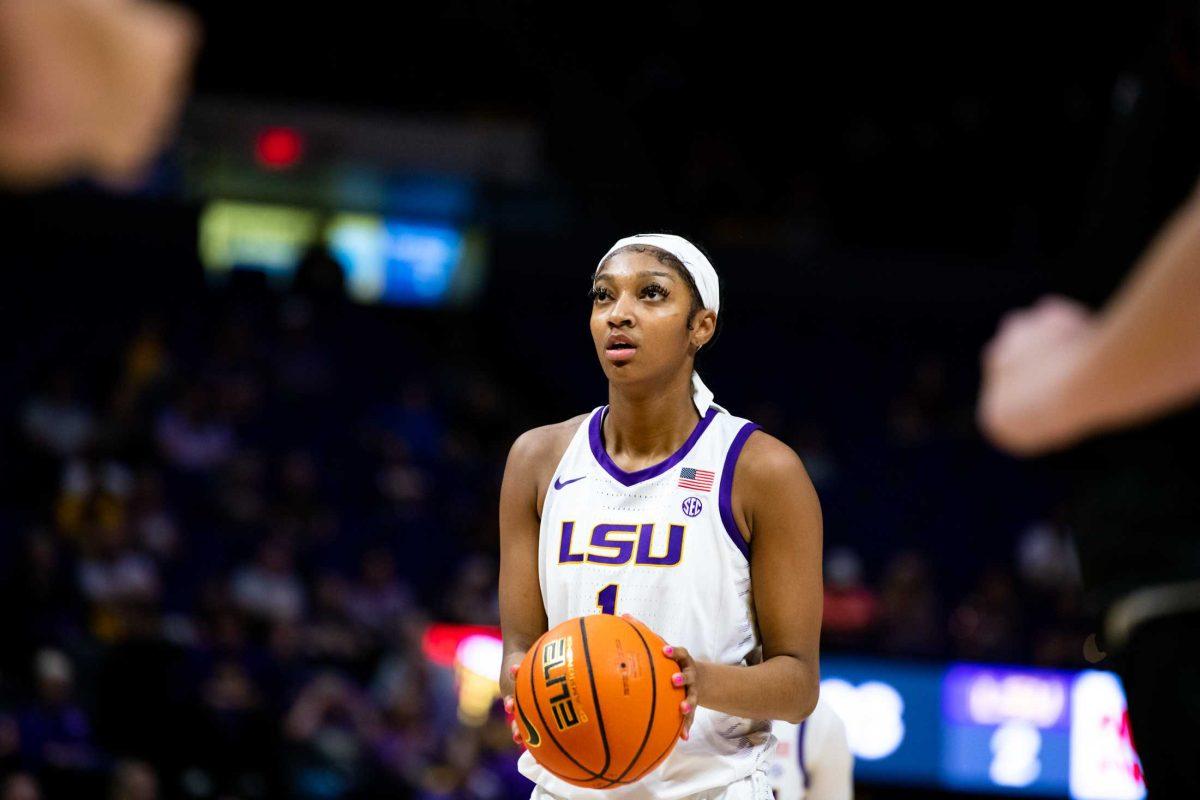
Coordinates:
[1055,373]
[773,499]
[522,612]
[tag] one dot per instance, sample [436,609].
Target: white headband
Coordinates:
[702,272]
[695,262]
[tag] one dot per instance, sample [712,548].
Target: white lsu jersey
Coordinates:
[812,759]
[661,544]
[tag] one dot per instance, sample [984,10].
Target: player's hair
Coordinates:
[669,260]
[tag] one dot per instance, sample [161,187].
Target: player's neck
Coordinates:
[649,426]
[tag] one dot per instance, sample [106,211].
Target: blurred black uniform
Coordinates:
[1135,495]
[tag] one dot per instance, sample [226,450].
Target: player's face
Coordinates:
[640,319]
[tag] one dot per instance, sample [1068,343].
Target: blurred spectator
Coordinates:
[57,421]
[21,786]
[191,436]
[412,418]
[330,727]
[93,492]
[233,742]
[269,588]
[56,735]
[39,600]
[850,608]
[986,626]
[473,597]
[332,636]
[1046,558]
[911,621]
[378,600]
[117,580]
[134,780]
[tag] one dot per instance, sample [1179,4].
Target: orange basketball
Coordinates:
[595,701]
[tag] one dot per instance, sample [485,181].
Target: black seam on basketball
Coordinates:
[587,656]
[653,704]
[657,761]
[549,733]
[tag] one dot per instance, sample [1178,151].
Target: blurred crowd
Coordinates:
[231,522]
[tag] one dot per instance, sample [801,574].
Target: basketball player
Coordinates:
[812,760]
[664,506]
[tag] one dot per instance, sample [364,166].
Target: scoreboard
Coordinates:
[984,728]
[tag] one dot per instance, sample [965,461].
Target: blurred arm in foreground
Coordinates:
[1057,373]
[89,87]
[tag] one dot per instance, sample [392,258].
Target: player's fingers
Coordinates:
[513,670]
[516,734]
[688,707]
[685,677]
[508,703]
[680,654]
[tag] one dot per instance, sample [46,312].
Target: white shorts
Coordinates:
[755,786]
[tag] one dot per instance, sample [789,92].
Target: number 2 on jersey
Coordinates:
[606,599]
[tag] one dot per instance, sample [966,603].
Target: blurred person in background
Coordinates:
[134,780]
[850,609]
[21,786]
[330,730]
[1116,389]
[911,621]
[56,732]
[89,87]
[812,760]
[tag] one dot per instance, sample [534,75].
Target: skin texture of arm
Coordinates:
[774,499]
[526,476]
[1056,374]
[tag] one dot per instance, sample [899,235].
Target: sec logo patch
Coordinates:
[692,506]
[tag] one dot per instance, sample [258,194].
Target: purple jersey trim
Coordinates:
[800,754]
[596,436]
[725,493]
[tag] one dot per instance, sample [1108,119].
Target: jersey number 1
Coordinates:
[606,599]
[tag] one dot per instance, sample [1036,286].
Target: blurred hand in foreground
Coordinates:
[1027,369]
[89,88]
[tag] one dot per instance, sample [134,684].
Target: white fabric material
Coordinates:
[755,786]
[826,758]
[703,602]
[702,272]
[689,255]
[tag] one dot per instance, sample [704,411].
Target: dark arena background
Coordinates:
[258,402]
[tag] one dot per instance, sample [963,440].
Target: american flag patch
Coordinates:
[699,479]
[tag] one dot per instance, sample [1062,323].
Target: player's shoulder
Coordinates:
[768,469]
[545,444]
[764,456]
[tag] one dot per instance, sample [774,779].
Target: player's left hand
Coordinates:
[1022,404]
[686,677]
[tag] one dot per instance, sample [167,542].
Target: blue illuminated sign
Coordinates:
[1020,732]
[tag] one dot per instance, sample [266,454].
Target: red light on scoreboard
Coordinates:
[278,148]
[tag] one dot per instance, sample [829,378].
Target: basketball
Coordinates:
[595,702]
